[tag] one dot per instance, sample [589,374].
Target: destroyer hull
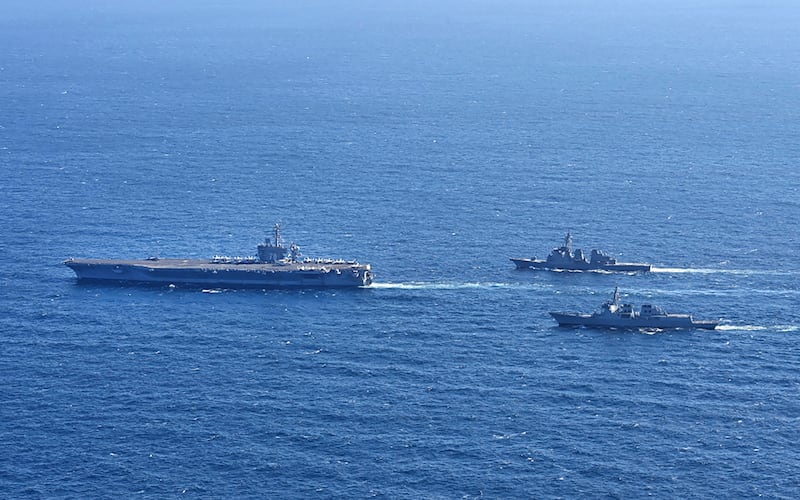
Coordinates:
[206,273]
[618,267]
[656,322]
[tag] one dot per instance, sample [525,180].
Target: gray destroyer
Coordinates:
[614,314]
[564,258]
[276,266]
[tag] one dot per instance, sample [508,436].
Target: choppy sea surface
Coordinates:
[433,140]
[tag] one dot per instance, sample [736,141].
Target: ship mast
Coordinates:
[568,242]
[276,231]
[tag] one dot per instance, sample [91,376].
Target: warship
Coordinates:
[613,314]
[564,259]
[275,266]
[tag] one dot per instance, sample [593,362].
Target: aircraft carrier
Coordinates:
[275,266]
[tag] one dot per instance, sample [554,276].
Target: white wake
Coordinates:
[432,285]
[735,272]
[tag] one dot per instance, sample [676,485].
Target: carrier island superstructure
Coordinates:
[275,266]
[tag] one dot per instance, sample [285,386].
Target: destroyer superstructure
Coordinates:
[614,314]
[564,258]
[275,266]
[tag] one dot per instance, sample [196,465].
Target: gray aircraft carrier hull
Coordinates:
[304,274]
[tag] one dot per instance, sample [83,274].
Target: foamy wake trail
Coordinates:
[756,328]
[676,270]
[423,285]
[700,270]
[746,328]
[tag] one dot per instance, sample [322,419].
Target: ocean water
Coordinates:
[433,140]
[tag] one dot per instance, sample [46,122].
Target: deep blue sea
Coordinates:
[433,140]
